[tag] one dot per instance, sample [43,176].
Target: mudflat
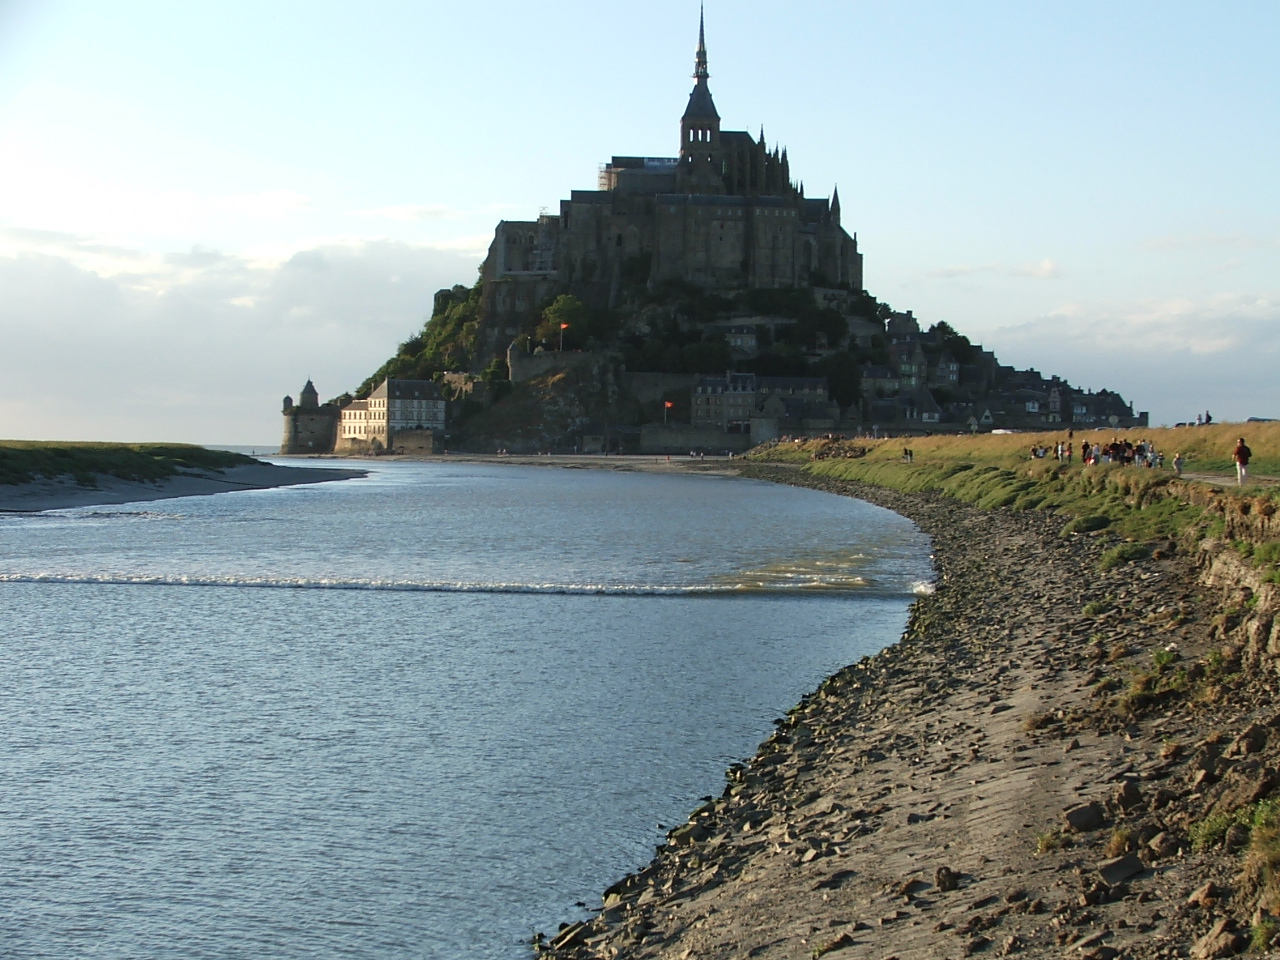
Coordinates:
[63,492]
[1007,779]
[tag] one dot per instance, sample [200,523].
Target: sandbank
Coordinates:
[62,492]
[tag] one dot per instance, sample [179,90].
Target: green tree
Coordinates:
[954,343]
[566,312]
[844,377]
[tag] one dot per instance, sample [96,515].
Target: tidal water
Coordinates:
[421,714]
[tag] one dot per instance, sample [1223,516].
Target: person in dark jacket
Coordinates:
[1241,456]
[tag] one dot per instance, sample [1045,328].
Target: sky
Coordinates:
[204,204]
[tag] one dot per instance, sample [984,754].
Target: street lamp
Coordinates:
[562,329]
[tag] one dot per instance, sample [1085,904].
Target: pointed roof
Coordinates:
[701,106]
[700,58]
[309,398]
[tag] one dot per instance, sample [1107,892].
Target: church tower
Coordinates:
[702,161]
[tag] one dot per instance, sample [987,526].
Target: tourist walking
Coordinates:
[1177,463]
[1241,455]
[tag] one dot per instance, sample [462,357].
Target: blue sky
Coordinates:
[204,204]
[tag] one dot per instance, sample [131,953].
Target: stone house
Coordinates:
[394,407]
[733,401]
[944,373]
[879,381]
[907,359]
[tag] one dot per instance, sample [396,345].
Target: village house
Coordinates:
[394,407]
[729,403]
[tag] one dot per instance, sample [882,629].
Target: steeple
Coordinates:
[835,206]
[701,164]
[700,59]
[701,106]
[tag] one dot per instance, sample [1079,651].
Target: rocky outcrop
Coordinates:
[1055,759]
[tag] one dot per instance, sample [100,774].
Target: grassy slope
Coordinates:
[22,461]
[997,471]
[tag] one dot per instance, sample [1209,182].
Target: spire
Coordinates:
[701,106]
[700,59]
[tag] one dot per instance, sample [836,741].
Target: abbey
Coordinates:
[724,215]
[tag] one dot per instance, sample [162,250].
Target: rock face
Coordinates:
[896,812]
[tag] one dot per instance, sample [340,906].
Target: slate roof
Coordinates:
[701,106]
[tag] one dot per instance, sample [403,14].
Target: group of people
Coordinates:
[1141,454]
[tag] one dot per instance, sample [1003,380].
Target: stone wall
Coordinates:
[357,447]
[525,366]
[682,438]
[310,430]
[414,442]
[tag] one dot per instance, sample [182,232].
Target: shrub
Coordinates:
[1123,553]
[1086,524]
[1051,840]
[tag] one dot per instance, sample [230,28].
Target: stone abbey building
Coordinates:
[724,215]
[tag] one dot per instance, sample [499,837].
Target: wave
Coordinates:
[728,586]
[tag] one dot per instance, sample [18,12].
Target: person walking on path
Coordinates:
[1241,456]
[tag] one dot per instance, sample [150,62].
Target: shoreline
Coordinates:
[623,463]
[987,784]
[61,493]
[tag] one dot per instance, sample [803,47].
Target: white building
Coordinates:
[394,406]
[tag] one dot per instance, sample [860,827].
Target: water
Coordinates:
[416,715]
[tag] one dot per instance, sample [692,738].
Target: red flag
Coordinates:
[668,404]
[564,326]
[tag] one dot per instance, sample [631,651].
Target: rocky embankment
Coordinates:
[1056,759]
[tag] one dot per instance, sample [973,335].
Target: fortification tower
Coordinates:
[309,427]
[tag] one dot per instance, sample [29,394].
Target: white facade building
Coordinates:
[394,406]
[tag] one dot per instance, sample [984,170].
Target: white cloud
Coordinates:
[201,345]
[1045,269]
[1216,325]
[1173,357]
[476,244]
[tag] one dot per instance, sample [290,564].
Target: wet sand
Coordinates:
[63,492]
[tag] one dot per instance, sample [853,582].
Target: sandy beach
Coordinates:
[63,492]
